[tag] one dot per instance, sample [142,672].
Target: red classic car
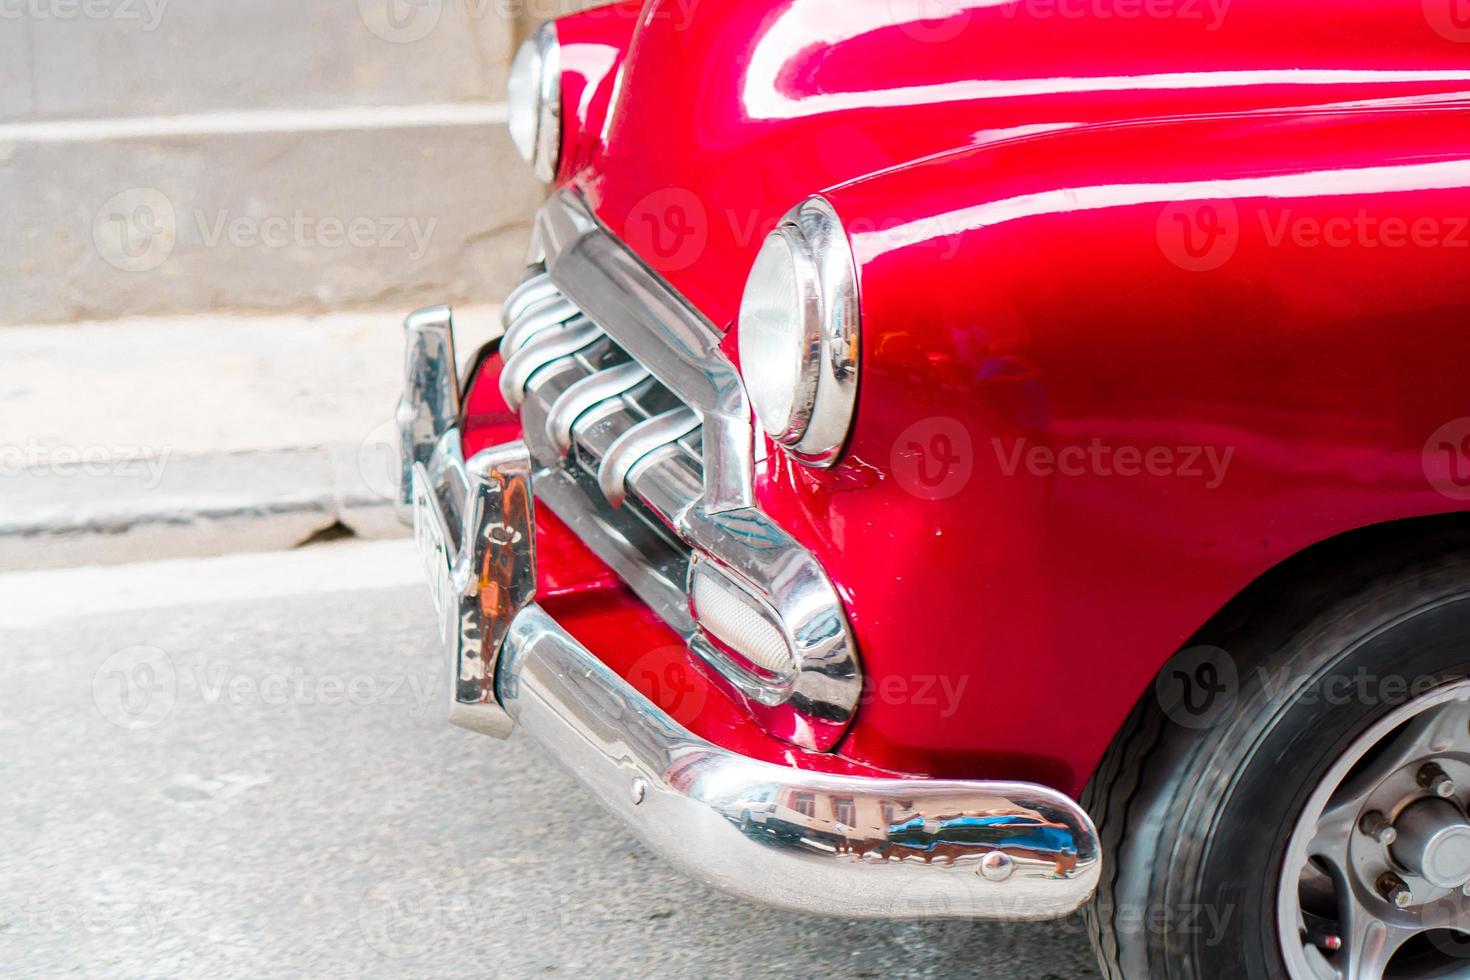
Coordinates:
[990,458]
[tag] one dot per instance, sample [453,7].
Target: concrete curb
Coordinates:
[191,437]
[198,506]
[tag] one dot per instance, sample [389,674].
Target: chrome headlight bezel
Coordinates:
[824,325]
[533,94]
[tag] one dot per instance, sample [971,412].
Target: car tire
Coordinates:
[1197,797]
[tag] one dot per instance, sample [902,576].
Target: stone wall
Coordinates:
[180,156]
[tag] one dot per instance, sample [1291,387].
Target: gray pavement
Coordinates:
[238,766]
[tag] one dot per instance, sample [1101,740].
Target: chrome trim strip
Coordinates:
[610,284]
[587,394]
[548,126]
[641,440]
[429,406]
[828,402]
[539,351]
[851,846]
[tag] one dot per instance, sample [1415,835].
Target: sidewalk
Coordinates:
[192,436]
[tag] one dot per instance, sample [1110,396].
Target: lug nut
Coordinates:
[1376,826]
[1436,780]
[1394,891]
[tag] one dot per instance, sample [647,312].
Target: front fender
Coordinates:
[1110,377]
[594,47]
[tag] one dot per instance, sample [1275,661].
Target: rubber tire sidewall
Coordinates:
[1194,888]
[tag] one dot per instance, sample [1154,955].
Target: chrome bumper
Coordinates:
[852,846]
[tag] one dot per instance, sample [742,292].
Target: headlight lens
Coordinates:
[533,94]
[799,326]
[779,314]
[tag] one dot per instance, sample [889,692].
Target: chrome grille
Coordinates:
[641,435]
[592,402]
[592,417]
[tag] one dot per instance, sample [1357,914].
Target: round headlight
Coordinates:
[533,94]
[799,325]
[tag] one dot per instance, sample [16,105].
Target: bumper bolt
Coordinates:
[1436,780]
[996,866]
[1376,826]
[637,790]
[1394,891]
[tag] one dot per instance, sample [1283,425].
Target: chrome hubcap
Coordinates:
[1378,867]
[1434,843]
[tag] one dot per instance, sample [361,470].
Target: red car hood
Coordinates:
[729,112]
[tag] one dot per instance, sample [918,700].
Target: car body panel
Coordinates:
[1175,239]
[754,104]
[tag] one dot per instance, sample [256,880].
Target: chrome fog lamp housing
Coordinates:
[533,94]
[733,617]
[800,321]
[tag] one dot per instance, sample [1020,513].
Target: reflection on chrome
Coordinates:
[893,829]
[849,845]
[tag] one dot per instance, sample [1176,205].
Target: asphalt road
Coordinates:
[239,767]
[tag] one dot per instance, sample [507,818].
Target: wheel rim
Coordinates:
[1377,870]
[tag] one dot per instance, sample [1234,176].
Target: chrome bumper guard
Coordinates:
[853,846]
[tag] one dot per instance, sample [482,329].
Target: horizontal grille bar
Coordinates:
[598,403]
[587,394]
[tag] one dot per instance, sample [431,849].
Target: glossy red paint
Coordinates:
[730,113]
[1139,424]
[1151,304]
[593,45]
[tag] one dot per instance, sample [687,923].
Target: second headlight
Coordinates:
[533,94]
[799,334]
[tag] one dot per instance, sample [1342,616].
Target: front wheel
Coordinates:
[1291,802]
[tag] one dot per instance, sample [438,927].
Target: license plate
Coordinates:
[430,530]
